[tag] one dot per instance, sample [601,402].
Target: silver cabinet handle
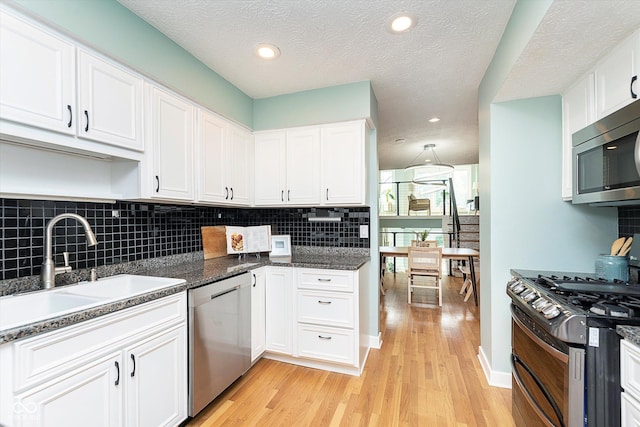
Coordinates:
[324,302]
[324,280]
[324,338]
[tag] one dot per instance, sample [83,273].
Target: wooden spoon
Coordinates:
[617,244]
[626,247]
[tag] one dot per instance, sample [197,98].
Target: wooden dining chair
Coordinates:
[424,243]
[467,286]
[425,270]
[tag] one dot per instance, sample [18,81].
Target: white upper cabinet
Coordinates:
[37,77]
[239,165]
[224,156]
[110,103]
[617,77]
[270,168]
[288,167]
[577,112]
[172,138]
[343,163]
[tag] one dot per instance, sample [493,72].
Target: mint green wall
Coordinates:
[112,29]
[523,221]
[317,106]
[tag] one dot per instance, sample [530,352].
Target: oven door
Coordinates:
[547,377]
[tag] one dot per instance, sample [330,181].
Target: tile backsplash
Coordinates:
[130,231]
[628,220]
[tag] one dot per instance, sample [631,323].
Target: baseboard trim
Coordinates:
[375,342]
[494,378]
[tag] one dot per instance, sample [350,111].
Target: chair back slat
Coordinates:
[423,259]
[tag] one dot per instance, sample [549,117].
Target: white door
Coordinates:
[110,102]
[90,396]
[270,168]
[172,139]
[613,77]
[156,378]
[258,313]
[303,167]
[238,165]
[37,77]
[343,164]
[279,308]
[212,136]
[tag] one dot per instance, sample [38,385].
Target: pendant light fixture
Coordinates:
[430,169]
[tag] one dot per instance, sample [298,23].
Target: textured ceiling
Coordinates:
[433,70]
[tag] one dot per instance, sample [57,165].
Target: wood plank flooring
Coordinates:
[426,374]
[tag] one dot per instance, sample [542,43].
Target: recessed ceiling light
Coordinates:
[401,22]
[267,51]
[434,120]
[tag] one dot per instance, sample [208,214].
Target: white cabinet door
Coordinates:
[212,136]
[172,139]
[270,168]
[303,167]
[37,76]
[343,165]
[238,165]
[156,378]
[110,103]
[258,316]
[91,395]
[279,309]
[614,76]
[578,111]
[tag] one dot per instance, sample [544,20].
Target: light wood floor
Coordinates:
[426,374]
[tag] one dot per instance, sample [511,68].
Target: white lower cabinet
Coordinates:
[313,318]
[127,368]
[279,304]
[258,313]
[630,382]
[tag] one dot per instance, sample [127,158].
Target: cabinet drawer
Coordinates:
[630,367]
[333,280]
[630,410]
[51,354]
[328,344]
[326,308]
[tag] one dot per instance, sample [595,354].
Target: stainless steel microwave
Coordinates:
[606,159]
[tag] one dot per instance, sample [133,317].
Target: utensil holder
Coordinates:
[612,267]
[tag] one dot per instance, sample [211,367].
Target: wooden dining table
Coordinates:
[456,254]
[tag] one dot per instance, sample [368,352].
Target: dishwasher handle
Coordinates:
[219,294]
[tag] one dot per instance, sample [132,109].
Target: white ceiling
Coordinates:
[433,70]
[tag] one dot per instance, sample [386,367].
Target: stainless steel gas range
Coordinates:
[565,349]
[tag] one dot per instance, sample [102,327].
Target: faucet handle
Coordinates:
[65,255]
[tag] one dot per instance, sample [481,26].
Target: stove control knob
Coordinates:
[518,288]
[551,312]
[530,296]
[540,304]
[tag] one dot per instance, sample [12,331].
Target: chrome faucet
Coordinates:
[49,269]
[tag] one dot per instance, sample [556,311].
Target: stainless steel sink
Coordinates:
[241,266]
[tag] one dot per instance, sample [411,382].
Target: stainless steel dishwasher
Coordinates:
[219,338]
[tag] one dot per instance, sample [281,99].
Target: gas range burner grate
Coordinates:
[567,286]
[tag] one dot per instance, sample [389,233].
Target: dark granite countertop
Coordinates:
[630,333]
[191,267]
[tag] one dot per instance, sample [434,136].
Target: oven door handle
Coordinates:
[515,360]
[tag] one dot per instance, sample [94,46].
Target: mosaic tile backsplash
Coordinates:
[130,231]
[628,220]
